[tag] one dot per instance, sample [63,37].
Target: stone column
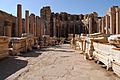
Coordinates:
[91,49]
[54,27]
[90,25]
[42,27]
[23,25]
[32,24]
[38,26]
[35,29]
[112,19]
[19,19]
[74,25]
[27,21]
[117,20]
[107,20]
[59,28]
[103,24]
[100,25]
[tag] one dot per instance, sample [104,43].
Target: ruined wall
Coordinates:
[91,22]
[66,24]
[46,15]
[9,21]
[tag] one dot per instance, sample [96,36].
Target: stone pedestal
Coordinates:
[88,48]
[91,49]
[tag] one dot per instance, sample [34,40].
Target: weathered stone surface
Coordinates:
[8,28]
[114,40]
[62,63]
[4,50]
[7,22]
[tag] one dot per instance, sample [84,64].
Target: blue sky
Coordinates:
[70,6]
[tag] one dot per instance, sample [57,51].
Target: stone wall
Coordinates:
[66,24]
[9,21]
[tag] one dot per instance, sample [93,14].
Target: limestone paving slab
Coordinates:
[63,63]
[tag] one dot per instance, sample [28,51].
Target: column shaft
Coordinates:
[19,19]
[27,21]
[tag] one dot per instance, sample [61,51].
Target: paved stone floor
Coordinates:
[60,63]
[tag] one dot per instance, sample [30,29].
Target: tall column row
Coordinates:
[111,22]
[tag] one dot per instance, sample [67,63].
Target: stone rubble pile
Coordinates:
[101,48]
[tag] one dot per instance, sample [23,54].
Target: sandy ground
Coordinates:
[53,63]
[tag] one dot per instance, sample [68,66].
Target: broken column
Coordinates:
[19,19]
[117,20]
[27,21]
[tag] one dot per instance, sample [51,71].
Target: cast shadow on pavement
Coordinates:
[11,65]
